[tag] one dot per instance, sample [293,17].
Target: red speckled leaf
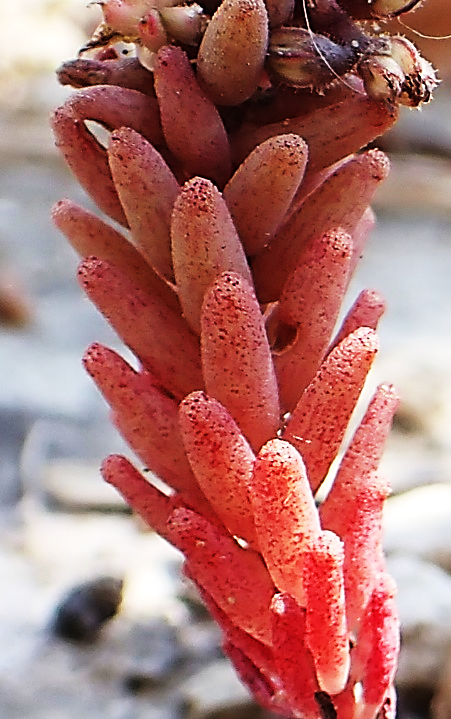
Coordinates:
[89,235]
[112,107]
[284,512]
[293,660]
[363,544]
[235,577]
[309,305]
[148,501]
[192,125]
[366,311]
[236,358]
[381,626]
[261,190]
[221,460]
[157,334]
[318,422]
[205,244]
[147,190]
[326,628]
[339,202]
[361,459]
[148,421]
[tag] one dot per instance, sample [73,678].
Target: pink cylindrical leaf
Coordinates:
[236,358]
[111,107]
[388,707]
[318,422]
[327,257]
[205,244]
[192,125]
[236,578]
[259,684]
[310,304]
[284,513]
[260,654]
[152,330]
[345,703]
[338,203]
[89,235]
[331,133]
[293,659]
[147,419]
[363,545]
[261,190]
[361,459]
[233,51]
[221,460]
[89,163]
[124,72]
[147,190]
[326,628]
[365,312]
[148,501]
[360,236]
[115,107]
[313,181]
[381,629]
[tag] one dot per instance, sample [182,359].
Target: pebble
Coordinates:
[441,703]
[215,692]
[155,652]
[14,425]
[78,486]
[418,523]
[83,613]
[60,464]
[424,605]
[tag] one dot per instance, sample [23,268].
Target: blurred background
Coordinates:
[69,550]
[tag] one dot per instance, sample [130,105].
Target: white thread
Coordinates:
[420,34]
[323,58]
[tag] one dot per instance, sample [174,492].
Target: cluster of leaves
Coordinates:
[244,210]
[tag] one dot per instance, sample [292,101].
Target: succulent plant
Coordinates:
[234,166]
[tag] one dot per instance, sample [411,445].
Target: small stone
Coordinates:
[15,306]
[78,486]
[86,609]
[413,702]
[154,653]
[441,704]
[215,692]
[418,523]
[424,605]
[14,425]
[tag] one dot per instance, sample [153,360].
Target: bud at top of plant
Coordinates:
[382,76]
[420,80]
[186,22]
[300,58]
[123,16]
[391,8]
